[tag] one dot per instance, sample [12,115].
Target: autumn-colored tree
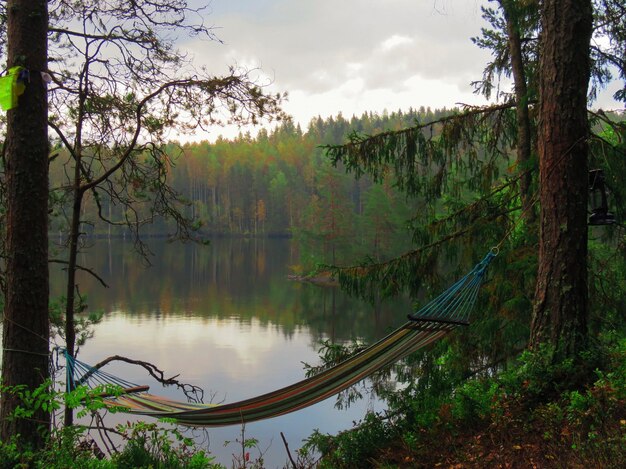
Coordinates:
[261,213]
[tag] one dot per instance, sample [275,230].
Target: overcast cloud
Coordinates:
[351,56]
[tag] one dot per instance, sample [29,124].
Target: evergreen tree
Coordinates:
[459,165]
[26,329]
[513,42]
[560,314]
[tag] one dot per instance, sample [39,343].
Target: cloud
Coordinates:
[351,51]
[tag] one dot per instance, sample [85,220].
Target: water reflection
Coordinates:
[231,278]
[226,319]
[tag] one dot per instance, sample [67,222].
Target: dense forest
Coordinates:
[279,183]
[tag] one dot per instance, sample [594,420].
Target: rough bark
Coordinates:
[561,310]
[26,326]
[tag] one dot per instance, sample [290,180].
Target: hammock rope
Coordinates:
[455,304]
[79,373]
[425,326]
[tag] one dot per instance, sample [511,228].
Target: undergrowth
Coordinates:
[534,414]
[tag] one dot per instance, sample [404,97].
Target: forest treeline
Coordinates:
[279,183]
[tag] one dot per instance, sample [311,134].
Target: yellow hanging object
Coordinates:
[11,88]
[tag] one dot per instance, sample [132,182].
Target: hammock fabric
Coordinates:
[427,325]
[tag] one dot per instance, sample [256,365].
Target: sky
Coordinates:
[351,56]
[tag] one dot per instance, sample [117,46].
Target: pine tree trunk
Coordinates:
[561,310]
[524,146]
[26,328]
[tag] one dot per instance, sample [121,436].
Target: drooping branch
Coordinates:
[423,157]
[372,280]
[459,155]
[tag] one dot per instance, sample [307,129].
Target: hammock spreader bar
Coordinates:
[429,324]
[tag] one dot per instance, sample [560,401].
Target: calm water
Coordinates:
[225,318]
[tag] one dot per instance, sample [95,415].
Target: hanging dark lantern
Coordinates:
[598,199]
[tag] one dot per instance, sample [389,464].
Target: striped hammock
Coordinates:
[427,325]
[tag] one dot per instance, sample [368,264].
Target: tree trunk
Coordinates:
[524,146]
[70,294]
[561,310]
[26,328]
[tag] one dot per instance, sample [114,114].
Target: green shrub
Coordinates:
[12,456]
[474,400]
[352,449]
[152,446]
[147,444]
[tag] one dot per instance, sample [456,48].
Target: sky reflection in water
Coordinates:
[226,319]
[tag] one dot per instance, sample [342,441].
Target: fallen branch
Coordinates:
[192,392]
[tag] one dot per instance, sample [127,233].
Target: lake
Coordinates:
[226,318]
